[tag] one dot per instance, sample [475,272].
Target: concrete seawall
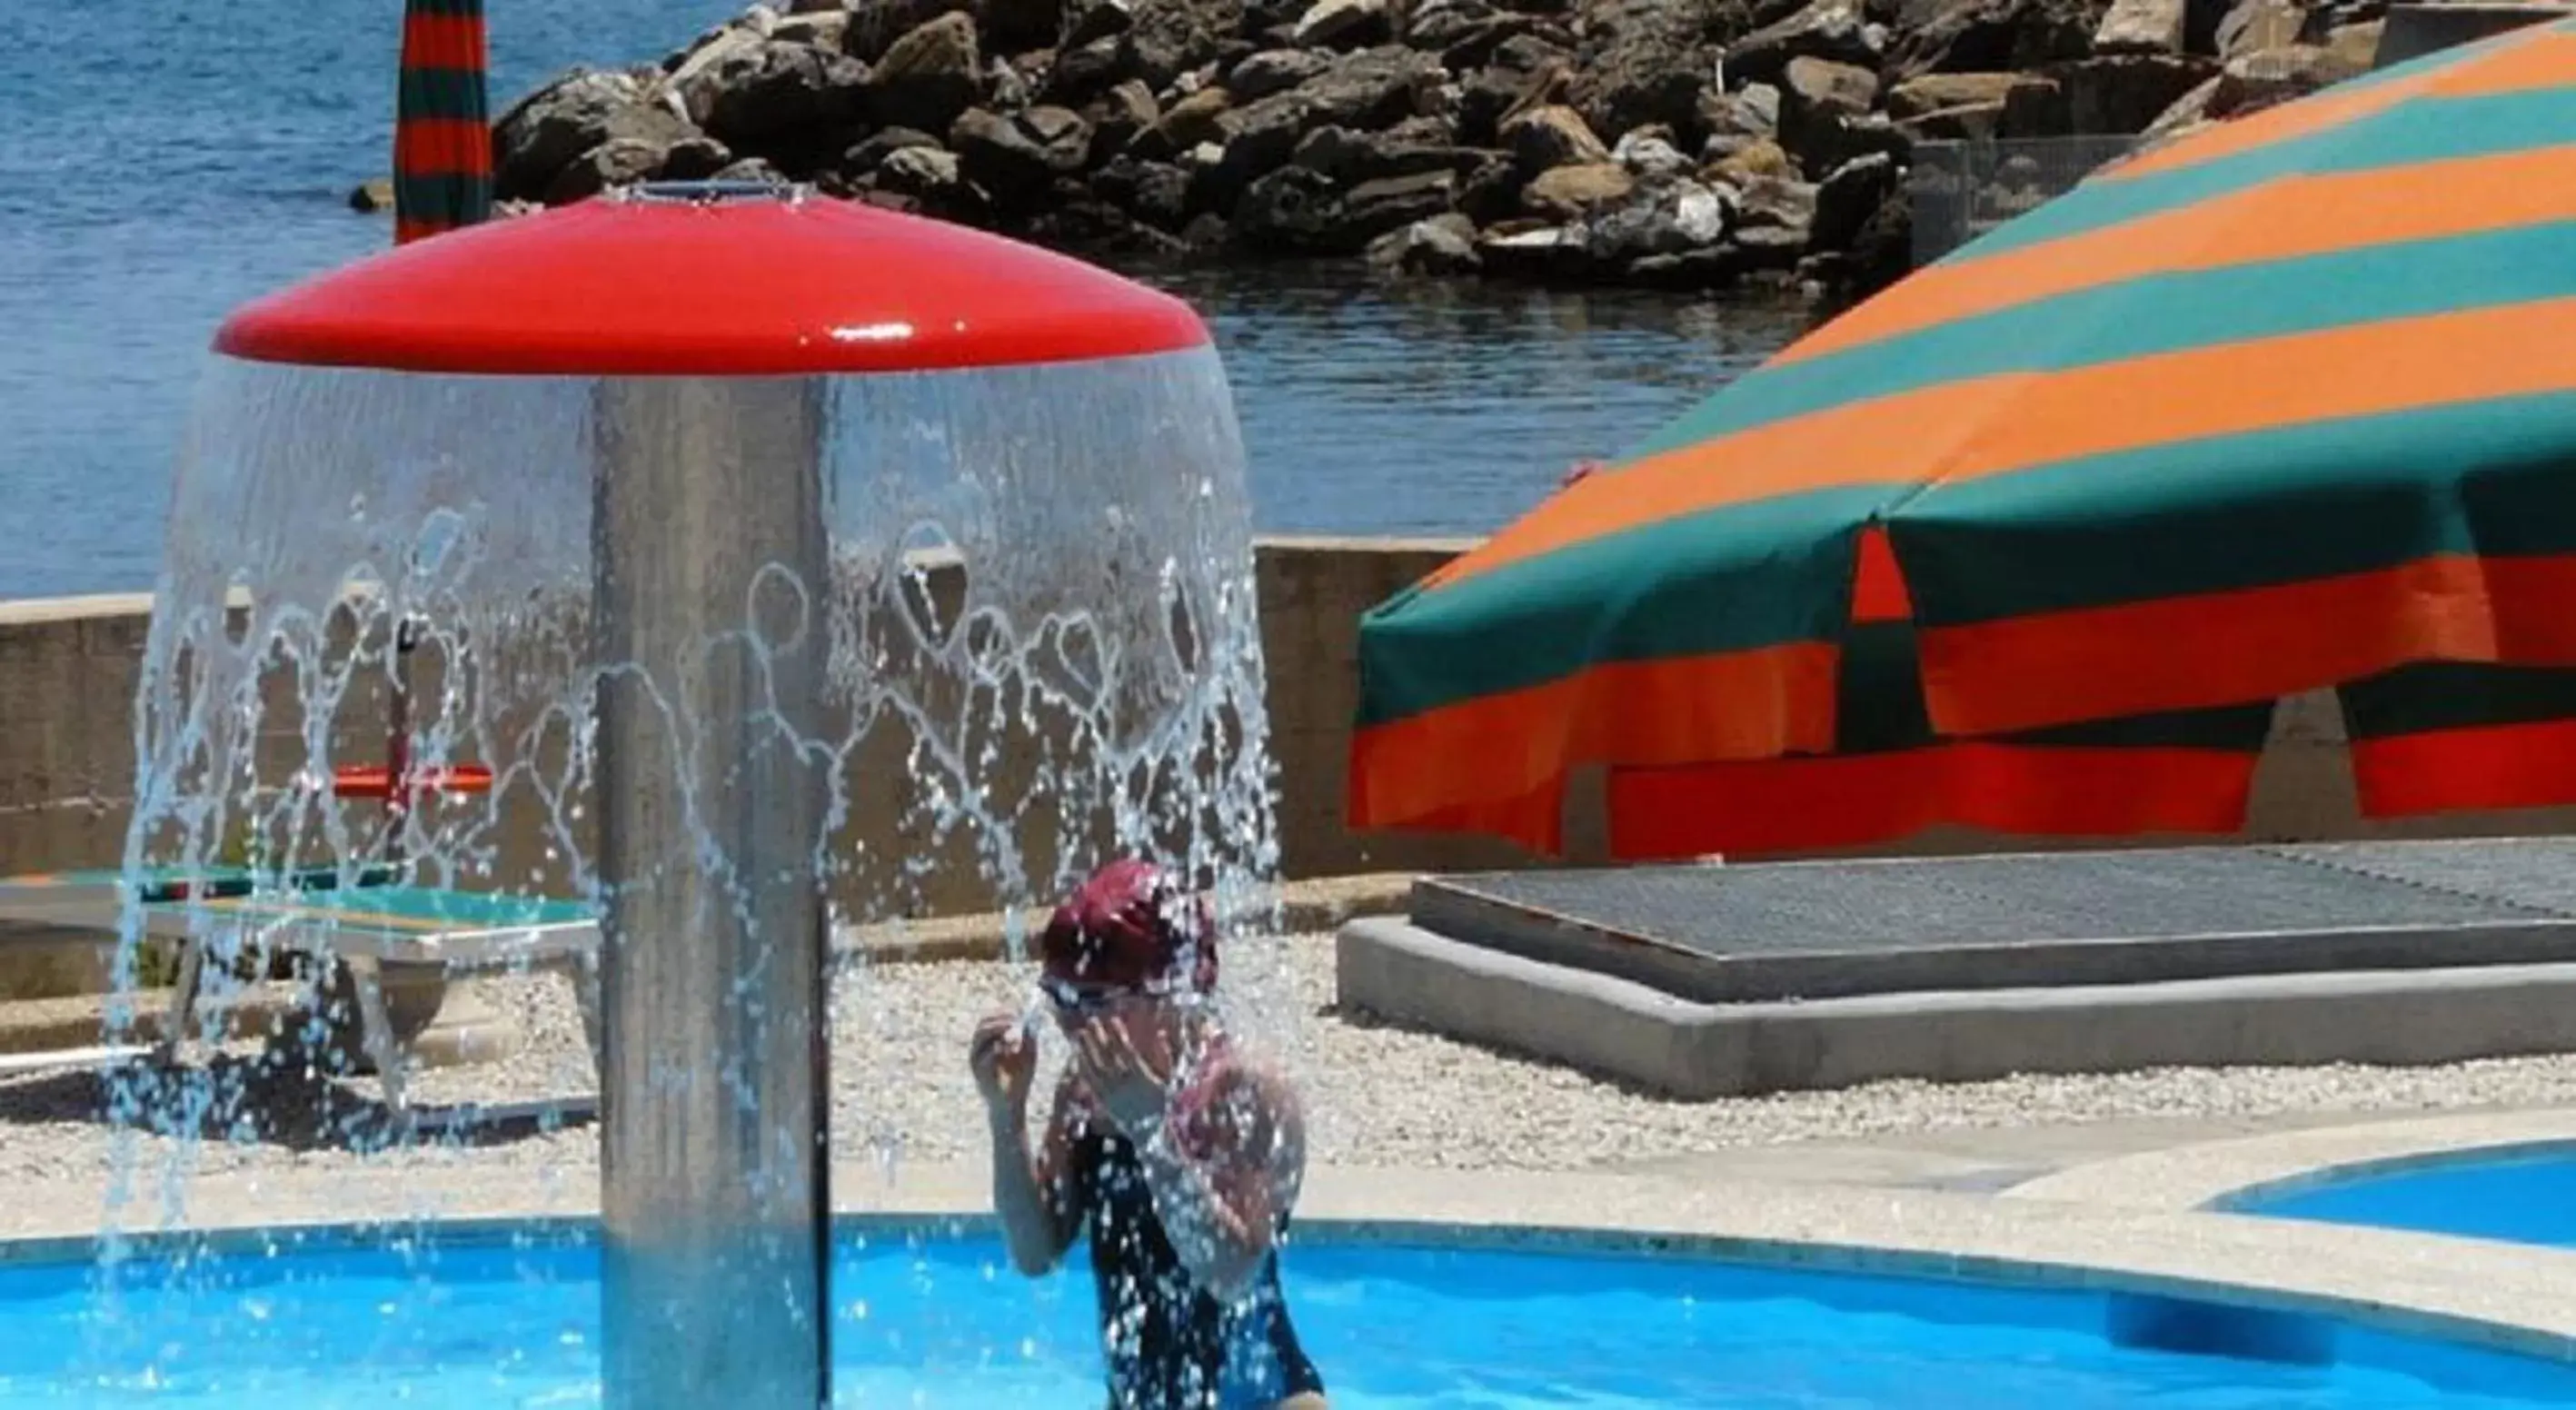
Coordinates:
[69,666]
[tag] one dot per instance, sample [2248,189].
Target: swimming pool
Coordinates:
[938,1320]
[2524,1194]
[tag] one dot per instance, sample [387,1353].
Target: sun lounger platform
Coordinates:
[1710,979]
[363,920]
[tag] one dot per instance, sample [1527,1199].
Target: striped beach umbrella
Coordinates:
[2286,405]
[442,134]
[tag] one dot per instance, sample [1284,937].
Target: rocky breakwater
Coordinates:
[1683,143]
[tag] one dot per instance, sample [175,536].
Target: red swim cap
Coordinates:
[1130,927]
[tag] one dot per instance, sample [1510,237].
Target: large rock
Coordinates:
[1650,155]
[545,132]
[1168,38]
[2142,27]
[875,26]
[1934,92]
[1346,24]
[1295,210]
[1374,88]
[1154,192]
[1848,197]
[867,155]
[2252,82]
[1776,202]
[1442,245]
[1017,159]
[1987,36]
[1017,26]
[1645,61]
[2256,25]
[1668,218]
[781,94]
[1273,71]
[1198,118]
[2115,96]
[1119,117]
[1506,85]
[1351,158]
[1090,21]
[1549,137]
[1569,192]
[1837,31]
[621,161]
[1826,117]
[929,77]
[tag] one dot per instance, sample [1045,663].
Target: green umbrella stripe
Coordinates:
[2420,130]
[2289,504]
[2103,325]
[1740,580]
[442,93]
[2456,695]
[457,9]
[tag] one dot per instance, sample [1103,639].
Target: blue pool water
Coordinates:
[942,1322]
[2525,1196]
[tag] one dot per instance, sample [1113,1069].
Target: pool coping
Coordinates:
[2217,1175]
[2469,1293]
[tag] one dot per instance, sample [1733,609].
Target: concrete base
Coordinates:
[1391,968]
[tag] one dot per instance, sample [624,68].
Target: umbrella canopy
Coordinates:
[442,134]
[2282,406]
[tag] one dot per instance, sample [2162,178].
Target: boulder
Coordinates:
[374,194]
[2114,96]
[538,136]
[1117,118]
[824,29]
[1528,251]
[1849,196]
[868,155]
[691,76]
[1017,26]
[876,25]
[1016,160]
[1290,211]
[2252,26]
[1168,38]
[1936,92]
[1442,245]
[1548,137]
[1758,157]
[1989,36]
[1197,118]
[1645,61]
[1649,153]
[931,175]
[1825,114]
[1354,157]
[929,77]
[1090,21]
[1154,192]
[1777,202]
[1568,192]
[1668,218]
[1836,31]
[1346,24]
[1752,111]
[1273,71]
[1083,73]
[1968,122]
[1374,88]
[1495,92]
[2252,82]
[2142,27]
[779,93]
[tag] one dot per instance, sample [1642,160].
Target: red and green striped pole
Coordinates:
[442,137]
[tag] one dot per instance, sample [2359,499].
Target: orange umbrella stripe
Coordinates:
[2252,644]
[1800,805]
[2286,219]
[2542,57]
[2022,420]
[1493,749]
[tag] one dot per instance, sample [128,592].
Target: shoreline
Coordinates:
[1696,145]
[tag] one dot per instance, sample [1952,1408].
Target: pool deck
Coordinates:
[2112,1207]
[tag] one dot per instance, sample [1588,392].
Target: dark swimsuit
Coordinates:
[1170,1346]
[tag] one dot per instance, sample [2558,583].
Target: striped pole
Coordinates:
[442,137]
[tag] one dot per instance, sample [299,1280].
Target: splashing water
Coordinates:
[1037,648]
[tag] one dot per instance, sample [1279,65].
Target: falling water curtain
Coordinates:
[442,137]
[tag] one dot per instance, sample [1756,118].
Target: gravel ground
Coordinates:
[1377,1096]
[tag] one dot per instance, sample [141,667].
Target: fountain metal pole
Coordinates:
[713,1083]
